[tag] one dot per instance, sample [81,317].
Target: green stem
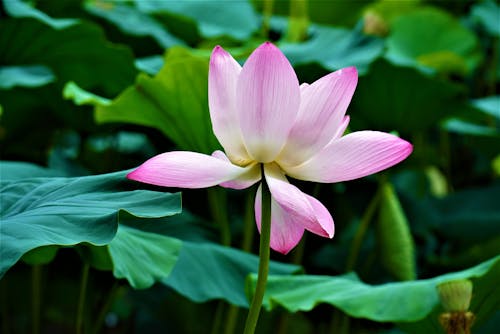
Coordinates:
[218,205]
[493,67]
[264,255]
[298,21]
[231,319]
[246,245]
[217,198]
[445,151]
[105,307]
[5,310]
[217,319]
[298,252]
[361,231]
[81,298]
[297,256]
[249,223]
[37,296]
[340,322]
[419,144]
[267,12]
[283,323]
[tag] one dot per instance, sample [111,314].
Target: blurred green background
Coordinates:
[93,87]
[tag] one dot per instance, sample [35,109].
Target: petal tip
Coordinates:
[407,148]
[132,175]
[268,47]
[350,73]
[217,48]
[331,234]
[329,229]
[217,52]
[351,69]
[138,175]
[282,250]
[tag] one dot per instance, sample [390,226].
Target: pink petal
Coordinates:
[292,212]
[353,156]
[322,108]
[245,180]
[323,226]
[342,127]
[303,87]
[186,170]
[286,232]
[312,215]
[267,99]
[222,79]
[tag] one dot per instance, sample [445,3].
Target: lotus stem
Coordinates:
[36,302]
[361,231]
[264,255]
[267,12]
[81,298]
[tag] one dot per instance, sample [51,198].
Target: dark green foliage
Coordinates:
[90,89]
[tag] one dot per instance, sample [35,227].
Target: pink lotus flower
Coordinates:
[261,115]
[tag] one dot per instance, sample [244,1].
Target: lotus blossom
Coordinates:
[266,122]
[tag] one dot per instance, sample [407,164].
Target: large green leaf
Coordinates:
[489,105]
[79,53]
[15,170]
[467,221]
[488,13]
[204,270]
[144,251]
[207,271]
[41,255]
[150,65]
[142,257]
[133,22]
[432,38]
[402,99]
[44,113]
[466,127]
[175,101]
[390,302]
[379,14]
[19,8]
[25,76]
[485,302]
[482,119]
[335,13]
[66,211]
[82,97]
[334,48]
[236,19]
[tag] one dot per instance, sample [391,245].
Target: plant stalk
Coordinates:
[217,198]
[4,299]
[218,205]
[246,245]
[361,231]
[267,12]
[104,309]
[264,255]
[81,298]
[248,223]
[231,319]
[37,296]
[298,22]
[217,318]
